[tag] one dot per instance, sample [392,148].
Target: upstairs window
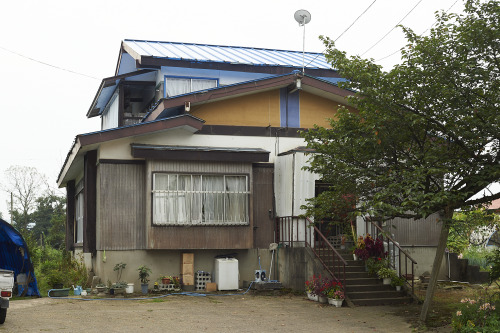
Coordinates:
[180,199]
[182,85]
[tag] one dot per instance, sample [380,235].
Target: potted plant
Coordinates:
[373,264]
[386,274]
[176,282]
[321,288]
[398,282]
[119,288]
[335,293]
[166,279]
[311,287]
[144,277]
[119,269]
[101,288]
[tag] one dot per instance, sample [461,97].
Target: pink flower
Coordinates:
[459,313]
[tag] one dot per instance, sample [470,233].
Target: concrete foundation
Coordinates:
[291,266]
[168,262]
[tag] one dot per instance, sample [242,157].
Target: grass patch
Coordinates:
[445,303]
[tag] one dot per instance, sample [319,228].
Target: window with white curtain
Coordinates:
[182,85]
[79,214]
[180,199]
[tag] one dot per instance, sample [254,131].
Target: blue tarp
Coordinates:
[14,256]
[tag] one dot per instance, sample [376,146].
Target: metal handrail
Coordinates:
[315,240]
[392,260]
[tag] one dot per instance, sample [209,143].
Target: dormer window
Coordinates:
[175,85]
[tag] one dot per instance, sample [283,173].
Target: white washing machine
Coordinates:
[226,273]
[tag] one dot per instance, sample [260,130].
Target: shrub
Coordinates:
[477,255]
[494,260]
[58,266]
[479,315]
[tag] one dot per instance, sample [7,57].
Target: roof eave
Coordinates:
[89,141]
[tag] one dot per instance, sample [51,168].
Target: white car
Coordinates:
[6,285]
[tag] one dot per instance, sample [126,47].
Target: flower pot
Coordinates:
[323,299]
[312,297]
[165,281]
[101,290]
[130,288]
[398,288]
[119,291]
[355,256]
[386,281]
[144,288]
[336,302]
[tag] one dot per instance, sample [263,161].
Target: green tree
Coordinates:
[49,216]
[426,138]
[471,228]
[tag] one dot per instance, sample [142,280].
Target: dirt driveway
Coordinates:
[180,313]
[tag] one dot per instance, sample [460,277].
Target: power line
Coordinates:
[349,27]
[392,28]
[398,50]
[47,64]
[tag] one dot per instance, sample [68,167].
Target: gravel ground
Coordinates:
[181,313]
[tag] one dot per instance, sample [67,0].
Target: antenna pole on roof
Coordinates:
[303,17]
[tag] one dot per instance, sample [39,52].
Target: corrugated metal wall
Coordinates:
[421,232]
[121,209]
[292,184]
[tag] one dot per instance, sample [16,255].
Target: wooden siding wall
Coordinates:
[198,237]
[263,209]
[121,209]
[89,216]
[421,232]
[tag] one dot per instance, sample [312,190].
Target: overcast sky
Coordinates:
[43,107]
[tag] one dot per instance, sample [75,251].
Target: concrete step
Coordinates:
[375,294]
[358,269]
[368,287]
[363,281]
[356,275]
[382,301]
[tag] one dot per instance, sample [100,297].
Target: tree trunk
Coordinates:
[443,237]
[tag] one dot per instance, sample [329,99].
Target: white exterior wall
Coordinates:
[292,184]
[120,149]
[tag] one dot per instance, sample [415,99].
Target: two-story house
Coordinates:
[199,150]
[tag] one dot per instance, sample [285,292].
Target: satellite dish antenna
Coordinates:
[303,17]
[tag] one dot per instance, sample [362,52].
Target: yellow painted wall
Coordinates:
[262,109]
[316,110]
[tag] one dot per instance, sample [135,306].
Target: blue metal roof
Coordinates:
[227,54]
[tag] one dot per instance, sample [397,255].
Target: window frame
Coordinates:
[202,222]
[191,78]
[79,213]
